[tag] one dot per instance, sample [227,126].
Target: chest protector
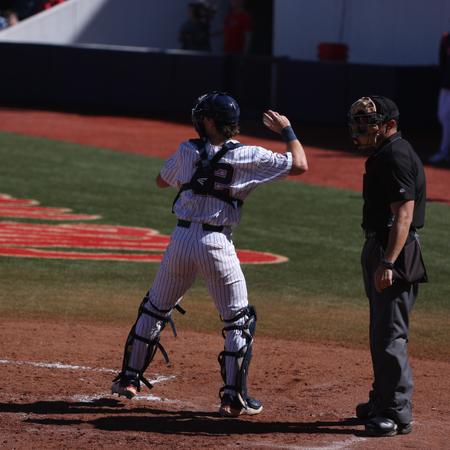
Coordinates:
[212,178]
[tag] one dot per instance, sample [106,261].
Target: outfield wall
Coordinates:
[126,80]
[105,79]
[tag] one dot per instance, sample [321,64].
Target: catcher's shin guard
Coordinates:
[245,322]
[133,375]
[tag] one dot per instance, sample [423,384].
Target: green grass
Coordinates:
[317,295]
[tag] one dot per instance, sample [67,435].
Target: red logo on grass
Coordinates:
[77,241]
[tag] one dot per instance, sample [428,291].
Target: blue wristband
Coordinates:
[288,134]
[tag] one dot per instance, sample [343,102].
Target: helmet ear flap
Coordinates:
[197,121]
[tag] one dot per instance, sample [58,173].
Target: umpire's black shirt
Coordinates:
[394,173]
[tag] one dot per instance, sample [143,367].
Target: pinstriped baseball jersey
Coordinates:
[249,166]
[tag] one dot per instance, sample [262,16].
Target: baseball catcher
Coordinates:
[213,174]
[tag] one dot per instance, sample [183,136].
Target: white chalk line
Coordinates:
[55,365]
[58,365]
[93,398]
[146,397]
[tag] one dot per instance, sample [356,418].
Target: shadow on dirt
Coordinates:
[117,418]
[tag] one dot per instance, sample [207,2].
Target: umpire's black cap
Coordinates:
[386,107]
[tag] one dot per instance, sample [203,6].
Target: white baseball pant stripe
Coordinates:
[191,251]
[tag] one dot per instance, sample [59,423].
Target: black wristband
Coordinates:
[387,264]
[288,134]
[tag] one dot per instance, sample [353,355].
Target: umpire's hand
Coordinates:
[383,278]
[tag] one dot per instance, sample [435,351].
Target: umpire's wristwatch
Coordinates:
[387,264]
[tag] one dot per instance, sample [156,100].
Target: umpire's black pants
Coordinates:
[389,326]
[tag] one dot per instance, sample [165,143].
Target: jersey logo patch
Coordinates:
[85,241]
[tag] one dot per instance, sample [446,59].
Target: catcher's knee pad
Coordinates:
[151,341]
[245,323]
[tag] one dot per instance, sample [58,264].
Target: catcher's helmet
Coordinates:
[367,115]
[216,105]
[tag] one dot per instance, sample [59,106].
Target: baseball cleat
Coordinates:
[127,390]
[404,428]
[231,407]
[384,427]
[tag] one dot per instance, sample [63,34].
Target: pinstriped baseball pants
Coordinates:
[193,251]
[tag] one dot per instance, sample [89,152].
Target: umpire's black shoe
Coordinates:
[384,427]
[365,411]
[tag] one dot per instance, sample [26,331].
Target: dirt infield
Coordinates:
[56,375]
[54,394]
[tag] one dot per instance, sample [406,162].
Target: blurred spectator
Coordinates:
[237,29]
[194,33]
[11,17]
[443,154]
[8,18]
[23,9]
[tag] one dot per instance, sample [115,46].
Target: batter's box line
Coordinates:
[62,366]
[142,397]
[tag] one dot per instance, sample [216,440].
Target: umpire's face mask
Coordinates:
[366,131]
[365,124]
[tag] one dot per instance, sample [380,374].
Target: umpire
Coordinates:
[394,208]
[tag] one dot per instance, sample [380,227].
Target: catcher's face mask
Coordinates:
[366,123]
